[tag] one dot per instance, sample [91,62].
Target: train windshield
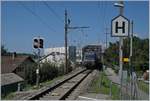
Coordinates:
[89,57]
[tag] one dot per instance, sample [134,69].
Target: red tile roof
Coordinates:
[8,64]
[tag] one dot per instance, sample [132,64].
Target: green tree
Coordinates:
[140,56]
[111,54]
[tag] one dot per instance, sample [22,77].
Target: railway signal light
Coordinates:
[38,43]
[41,43]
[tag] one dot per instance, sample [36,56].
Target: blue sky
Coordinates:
[19,25]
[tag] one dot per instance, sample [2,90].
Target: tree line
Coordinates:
[5,52]
[140,56]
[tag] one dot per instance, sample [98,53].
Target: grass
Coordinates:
[105,86]
[115,92]
[143,86]
[42,84]
[51,81]
[139,73]
[8,96]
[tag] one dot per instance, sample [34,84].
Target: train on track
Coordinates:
[92,57]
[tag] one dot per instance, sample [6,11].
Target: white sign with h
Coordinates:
[120,26]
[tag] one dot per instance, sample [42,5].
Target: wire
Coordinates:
[104,15]
[99,16]
[53,11]
[36,15]
[104,6]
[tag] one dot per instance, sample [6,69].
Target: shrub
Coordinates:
[48,71]
[30,73]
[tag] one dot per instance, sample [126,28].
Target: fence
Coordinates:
[132,90]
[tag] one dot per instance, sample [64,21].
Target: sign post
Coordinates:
[120,28]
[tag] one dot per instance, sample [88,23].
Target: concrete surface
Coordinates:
[93,96]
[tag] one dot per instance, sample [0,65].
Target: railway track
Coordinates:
[63,90]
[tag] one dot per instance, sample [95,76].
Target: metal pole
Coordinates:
[66,31]
[37,71]
[106,37]
[121,52]
[131,40]
[110,92]
[130,62]
[120,63]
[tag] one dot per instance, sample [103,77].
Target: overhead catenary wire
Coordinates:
[53,11]
[101,5]
[99,16]
[36,15]
[105,23]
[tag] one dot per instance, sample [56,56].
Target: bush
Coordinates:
[61,69]
[48,71]
[70,66]
[30,73]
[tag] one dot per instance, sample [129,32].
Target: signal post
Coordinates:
[37,44]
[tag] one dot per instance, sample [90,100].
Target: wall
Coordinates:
[9,88]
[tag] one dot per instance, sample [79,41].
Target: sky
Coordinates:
[21,21]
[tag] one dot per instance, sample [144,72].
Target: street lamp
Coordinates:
[118,5]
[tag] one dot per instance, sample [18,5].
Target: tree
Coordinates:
[140,56]
[111,54]
[3,50]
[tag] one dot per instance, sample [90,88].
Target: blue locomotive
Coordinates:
[91,56]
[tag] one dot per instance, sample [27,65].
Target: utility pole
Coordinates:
[83,27]
[103,58]
[106,36]
[121,52]
[67,22]
[66,32]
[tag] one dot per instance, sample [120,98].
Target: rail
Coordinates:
[42,93]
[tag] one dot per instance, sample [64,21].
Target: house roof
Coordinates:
[10,78]
[9,64]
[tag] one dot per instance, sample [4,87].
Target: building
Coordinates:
[10,82]
[57,54]
[14,71]
[17,64]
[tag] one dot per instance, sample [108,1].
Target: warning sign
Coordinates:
[125,59]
